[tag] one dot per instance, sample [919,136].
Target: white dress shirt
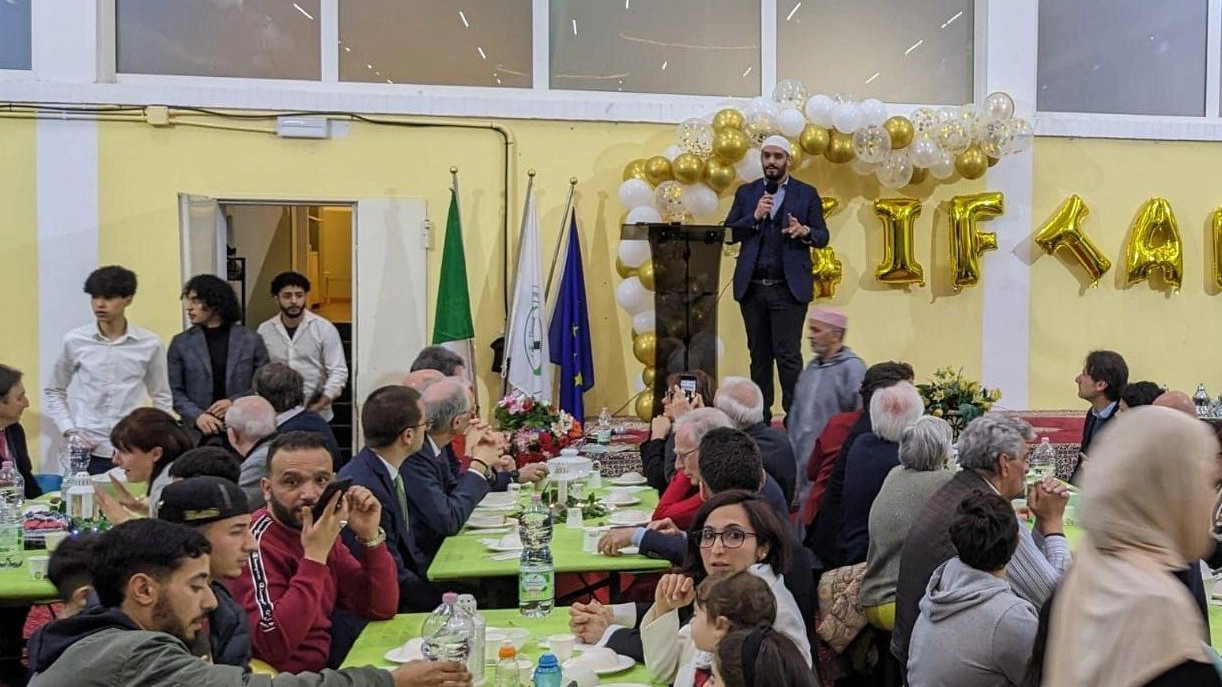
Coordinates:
[109,379]
[314,351]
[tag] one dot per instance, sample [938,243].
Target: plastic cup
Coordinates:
[38,566]
[562,646]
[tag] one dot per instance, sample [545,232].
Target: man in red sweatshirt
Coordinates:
[301,571]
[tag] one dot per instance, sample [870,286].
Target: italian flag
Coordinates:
[452,325]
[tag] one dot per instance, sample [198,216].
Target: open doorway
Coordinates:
[265,239]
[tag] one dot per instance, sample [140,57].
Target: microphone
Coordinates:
[771,186]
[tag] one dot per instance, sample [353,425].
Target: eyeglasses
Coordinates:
[731,538]
[426,425]
[682,455]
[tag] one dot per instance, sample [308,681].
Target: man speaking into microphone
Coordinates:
[778,219]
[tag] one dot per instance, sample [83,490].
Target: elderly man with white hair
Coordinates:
[993,451]
[743,402]
[250,425]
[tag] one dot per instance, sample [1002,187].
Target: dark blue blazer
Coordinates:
[415,592]
[803,202]
[438,503]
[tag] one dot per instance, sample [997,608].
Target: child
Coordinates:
[68,570]
[760,657]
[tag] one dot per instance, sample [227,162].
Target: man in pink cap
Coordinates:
[830,384]
[778,219]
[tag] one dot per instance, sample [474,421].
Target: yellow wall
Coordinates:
[19,258]
[1165,337]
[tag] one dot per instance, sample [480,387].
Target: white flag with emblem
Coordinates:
[528,365]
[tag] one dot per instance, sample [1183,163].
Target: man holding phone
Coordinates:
[778,219]
[301,573]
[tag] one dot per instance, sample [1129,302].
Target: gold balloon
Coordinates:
[635,170]
[796,156]
[1216,226]
[644,347]
[839,148]
[972,162]
[814,139]
[901,131]
[719,175]
[657,170]
[992,160]
[728,118]
[831,206]
[687,168]
[919,174]
[1064,229]
[730,145]
[827,271]
[967,242]
[648,375]
[899,264]
[645,273]
[1142,252]
[623,270]
[644,405]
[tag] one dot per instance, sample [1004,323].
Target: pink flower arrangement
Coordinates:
[537,430]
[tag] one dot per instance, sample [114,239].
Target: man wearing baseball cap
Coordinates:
[778,219]
[217,509]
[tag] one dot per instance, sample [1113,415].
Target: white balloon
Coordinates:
[944,166]
[700,199]
[790,122]
[633,296]
[721,348]
[645,322]
[634,253]
[638,385]
[762,105]
[635,192]
[923,151]
[846,117]
[672,151]
[860,166]
[750,167]
[819,110]
[646,213]
[873,112]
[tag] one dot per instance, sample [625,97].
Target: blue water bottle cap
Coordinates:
[548,660]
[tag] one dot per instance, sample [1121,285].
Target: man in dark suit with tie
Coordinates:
[1103,378]
[777,219]
[394,425]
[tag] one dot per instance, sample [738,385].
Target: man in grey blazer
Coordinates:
[214,361]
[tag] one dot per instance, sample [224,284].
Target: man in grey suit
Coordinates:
[215,360]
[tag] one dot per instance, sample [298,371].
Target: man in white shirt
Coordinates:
[305,342]
[112,365]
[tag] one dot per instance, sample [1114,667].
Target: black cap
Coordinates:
[201,500]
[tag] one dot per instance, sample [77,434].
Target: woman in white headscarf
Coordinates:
[1121,618]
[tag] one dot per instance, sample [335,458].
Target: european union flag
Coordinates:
[569,333]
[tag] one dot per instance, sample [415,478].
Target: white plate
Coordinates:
[618,504]
[624,664]
[495,545]
[625,480]
[628,518]
[485,521]
[411,651]
[116,473]
[497,501]
[629,489]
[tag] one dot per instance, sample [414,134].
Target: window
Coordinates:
[1122,57]
[471,43]
[14,34]
[262,39]
[691,47]
[898,52]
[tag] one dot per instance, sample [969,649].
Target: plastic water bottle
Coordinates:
[1043,459]
[603,431]
[507,674]
[75,457]
[536,574]
[547,673]
[447,632]
[12,496]
[12,486]
[479,630]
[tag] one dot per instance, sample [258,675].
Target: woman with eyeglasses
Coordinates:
[732,531]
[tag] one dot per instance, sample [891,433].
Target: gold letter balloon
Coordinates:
[967,242]
[899,265]
[1216,226]
[1143,252]
[1064,229]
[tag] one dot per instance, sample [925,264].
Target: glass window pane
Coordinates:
[260,39]
[1122,57]
[473,43]
[694,47]
[14,34]
[898,52]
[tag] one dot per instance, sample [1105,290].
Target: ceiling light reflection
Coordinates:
[307,14]
[792,12]
[914,46]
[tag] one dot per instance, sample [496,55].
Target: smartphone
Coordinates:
[687,384]
[333,487]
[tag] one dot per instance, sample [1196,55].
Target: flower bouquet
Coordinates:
[537,430]
[955,398]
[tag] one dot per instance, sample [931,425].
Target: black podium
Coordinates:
[686,267]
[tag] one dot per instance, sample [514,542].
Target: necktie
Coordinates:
[402,496]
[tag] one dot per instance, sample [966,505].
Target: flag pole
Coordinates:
[517,257]
[562,237]
[471,346]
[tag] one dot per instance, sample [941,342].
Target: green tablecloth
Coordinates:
[17,588]
[380,637]
[464,557]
